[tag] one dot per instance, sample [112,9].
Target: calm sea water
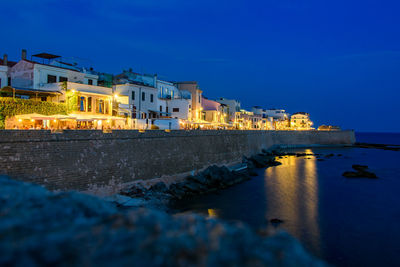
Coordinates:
[347,222]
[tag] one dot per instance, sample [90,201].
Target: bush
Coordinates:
[10,107]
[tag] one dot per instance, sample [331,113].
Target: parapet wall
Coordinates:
[85,159]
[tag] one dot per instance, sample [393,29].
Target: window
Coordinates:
[160,108]
[62,79]
[89,104]
[99,106]
[199,99]
[51,79]
[90,82]
[166,109]
[175,110]
[151,98]
[133,95]
[82,103]
[43,98]
[9,81]
[143,96]
[106,109]
[0,83]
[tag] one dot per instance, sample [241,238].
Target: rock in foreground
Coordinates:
[38,227]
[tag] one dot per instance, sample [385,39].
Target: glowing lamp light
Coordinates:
[73,91]
[55,120]
[20,120]
[32,120]
[115,95]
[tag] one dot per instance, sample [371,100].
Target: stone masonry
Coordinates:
[85,159]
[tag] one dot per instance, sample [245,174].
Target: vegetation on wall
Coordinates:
[14,106]
[72,99]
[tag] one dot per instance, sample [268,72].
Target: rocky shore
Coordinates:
[39,227]
[210,180]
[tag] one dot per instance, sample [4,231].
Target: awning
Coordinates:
[36,116]
[92,117]
[20,90]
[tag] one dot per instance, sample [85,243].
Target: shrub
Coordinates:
[10,107]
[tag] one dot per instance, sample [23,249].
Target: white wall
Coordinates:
[183,106]
[3,76]
[278,114]
[234,106]
[25,74]
[141,106]
[167,89]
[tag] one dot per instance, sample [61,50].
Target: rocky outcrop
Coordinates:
[361,172]
[210,180]
[38,227]
[378,146]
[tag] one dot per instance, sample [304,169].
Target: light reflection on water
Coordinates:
[292,195]
[347,222]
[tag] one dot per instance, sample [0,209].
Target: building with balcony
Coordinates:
[301,121]
[176,103]
[233,107]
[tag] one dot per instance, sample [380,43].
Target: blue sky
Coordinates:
[338,60]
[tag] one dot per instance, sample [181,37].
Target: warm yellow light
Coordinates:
[55,120]
[73,91]
[115,95]
[32,120]
[19,120]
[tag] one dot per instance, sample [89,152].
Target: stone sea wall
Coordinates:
[93,160]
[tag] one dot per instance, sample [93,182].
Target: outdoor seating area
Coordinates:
[37,121]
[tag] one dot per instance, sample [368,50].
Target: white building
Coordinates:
[28,74]
[233,107]
[195,107]
[277,114]
[138,101]
[301,121]
[3,76]
[259,111]
[5,66]
[176,103]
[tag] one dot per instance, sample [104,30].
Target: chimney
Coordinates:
[5,60]
[23,54]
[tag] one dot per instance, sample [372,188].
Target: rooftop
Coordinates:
[46,56]
[9,63]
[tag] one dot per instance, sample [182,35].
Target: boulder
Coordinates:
[159,187]
[361,172]
[137,190]
[177,190]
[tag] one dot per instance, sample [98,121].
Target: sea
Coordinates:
[344,221]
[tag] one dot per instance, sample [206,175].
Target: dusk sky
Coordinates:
[338,60]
